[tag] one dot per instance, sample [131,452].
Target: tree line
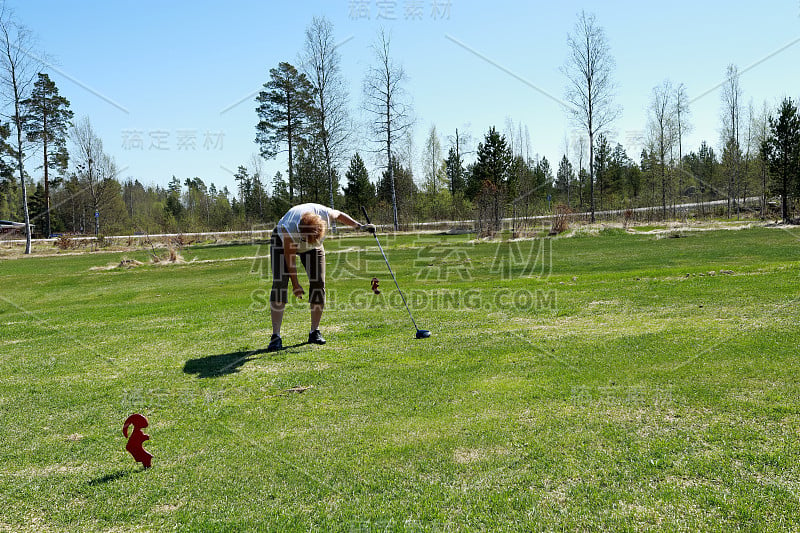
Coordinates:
[303,111]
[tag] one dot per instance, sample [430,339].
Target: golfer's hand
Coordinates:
[298,292]
[369,228]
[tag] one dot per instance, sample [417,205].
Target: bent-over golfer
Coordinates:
[300,233]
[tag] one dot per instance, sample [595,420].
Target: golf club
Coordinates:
[421,333]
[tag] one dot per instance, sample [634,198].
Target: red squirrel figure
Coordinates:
[375,286]
[137,439]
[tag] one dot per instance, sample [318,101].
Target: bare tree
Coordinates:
[511,136]
[749,147]
[94,167]
[682,126]
[432,161]
[455,171]
[386,102]
[590,87]
[330,119]
[731,111]
[519,139]
[762,131]
[662,132]
[565,150]
[18,69]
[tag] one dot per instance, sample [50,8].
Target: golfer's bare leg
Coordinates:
[316,315]
[276,313]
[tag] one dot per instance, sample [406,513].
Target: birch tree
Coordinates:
[590,85]
[330,120]
[17,73]
[662,127]
[432,162]
[96,169]
[681,112]
[731,111]
[385,101]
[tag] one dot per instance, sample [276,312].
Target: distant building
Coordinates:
[12,229]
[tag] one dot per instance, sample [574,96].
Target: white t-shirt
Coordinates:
[290,223]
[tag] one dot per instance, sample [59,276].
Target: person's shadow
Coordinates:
[108,478]
[214,366]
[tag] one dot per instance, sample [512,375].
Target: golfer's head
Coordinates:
[312,228]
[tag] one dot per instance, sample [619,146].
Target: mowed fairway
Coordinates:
[597,382]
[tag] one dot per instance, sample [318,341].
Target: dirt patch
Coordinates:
[168,508]
[171,257]
[473,455]
[124,263]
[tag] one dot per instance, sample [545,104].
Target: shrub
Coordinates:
[627,217]
[65,242]
[560,219]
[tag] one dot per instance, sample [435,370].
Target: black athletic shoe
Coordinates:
[315,337]
[275,343]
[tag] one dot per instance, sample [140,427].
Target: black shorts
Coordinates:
[313,261]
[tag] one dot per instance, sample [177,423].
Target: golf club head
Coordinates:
[423,333]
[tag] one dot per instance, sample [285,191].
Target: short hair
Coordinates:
[312,227]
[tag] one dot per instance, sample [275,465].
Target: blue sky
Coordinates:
[159,80]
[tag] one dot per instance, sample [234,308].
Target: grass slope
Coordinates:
[594,382]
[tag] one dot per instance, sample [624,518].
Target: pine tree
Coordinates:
[619,165]
[312,181]
[493,164]
[280,196]
[783,152]
[46,121]
[602,157]
[242,179]
[37,203]
[490,177]
[454,172]
[404,189]
[544,174]
[359,190]
[283,112]
[564,178]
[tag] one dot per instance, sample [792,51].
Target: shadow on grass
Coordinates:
[108,478]
[214,366]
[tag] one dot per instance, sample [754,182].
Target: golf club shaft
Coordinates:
[363,210]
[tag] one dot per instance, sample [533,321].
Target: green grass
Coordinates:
[596,382]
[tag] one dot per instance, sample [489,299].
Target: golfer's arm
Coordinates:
[344,218]
[290,257]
